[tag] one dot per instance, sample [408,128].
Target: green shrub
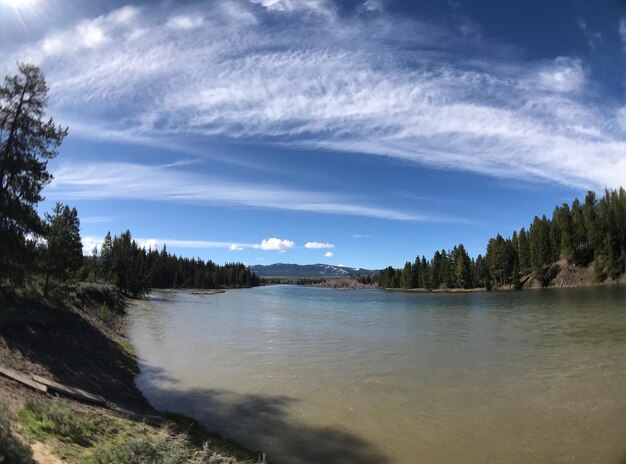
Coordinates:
[163,449]
[104,311]
[42,418]
[12,450]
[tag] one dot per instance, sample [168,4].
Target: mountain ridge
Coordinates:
[308,270]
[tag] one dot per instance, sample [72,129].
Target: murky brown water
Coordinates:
[321,375]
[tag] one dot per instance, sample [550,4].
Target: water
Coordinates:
[329,376]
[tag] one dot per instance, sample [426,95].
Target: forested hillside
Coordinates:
[591,233]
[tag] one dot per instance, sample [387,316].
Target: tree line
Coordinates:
[46,253]
[589,233]
[135,270]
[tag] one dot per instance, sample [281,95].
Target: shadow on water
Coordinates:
[263,422]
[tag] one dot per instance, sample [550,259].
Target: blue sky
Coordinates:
[356,132]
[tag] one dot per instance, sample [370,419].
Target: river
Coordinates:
[313,375]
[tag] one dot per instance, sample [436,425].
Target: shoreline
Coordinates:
[84,345]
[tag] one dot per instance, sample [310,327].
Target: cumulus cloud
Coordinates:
[149,244]
[89,243]
[318,245]
[235,247]
[276,244]
[414,91]
[328,254]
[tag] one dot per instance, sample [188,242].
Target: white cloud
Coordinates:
[98,219]
[185,22]
[320,7]
[157,243]
[89,243]
[621,118]
[149,244]
[276,244]
[197,244]
[91,35]
[361,236]
[373,5]
[100,181]
[622,29]
[328,254]
[318,245]
[563,75]
[405,92]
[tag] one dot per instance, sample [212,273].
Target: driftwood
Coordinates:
[45,385]
[26,380]
[69,391]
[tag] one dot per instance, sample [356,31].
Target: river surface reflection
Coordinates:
[312,375]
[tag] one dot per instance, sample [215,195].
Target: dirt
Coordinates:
[563,274]
[80,346]
[43,454]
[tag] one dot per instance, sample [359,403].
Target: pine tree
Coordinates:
[415,273]
[540,246]
[523,250]
[27,142]
[64,250]
[405,279]
[515,280]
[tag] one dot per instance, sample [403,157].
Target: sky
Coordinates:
[357,133]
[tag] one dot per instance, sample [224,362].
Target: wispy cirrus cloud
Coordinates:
[169,183]
[410,90]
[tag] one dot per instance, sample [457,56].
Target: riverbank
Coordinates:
[561,274]
[82,344]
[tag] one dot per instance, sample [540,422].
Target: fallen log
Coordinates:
[26,380]
[69,391]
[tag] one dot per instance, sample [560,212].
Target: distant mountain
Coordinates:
[308,270]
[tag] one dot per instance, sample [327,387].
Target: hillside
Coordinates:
[308,270]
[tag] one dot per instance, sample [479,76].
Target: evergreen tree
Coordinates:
[515,279]
[523,250]
[539,246]
[425,274]
[405,279]
[462,269]
[63,250]
[27,142]
[415,273]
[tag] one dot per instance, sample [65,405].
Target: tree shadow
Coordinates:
[263,422]
[61,344]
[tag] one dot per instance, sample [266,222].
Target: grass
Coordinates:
[42,418]
[129,352]
[12,450]
[102,438]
